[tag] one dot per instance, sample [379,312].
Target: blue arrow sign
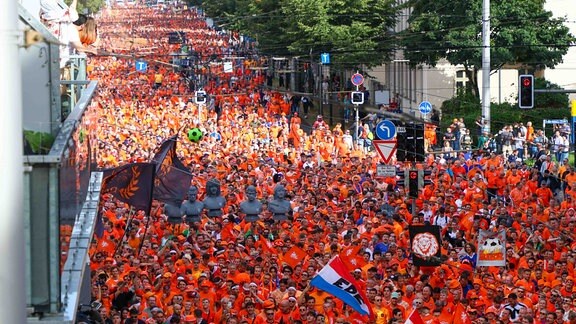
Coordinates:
[385,130]
[141,66]
[425,107]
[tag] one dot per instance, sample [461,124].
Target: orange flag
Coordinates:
[351,258]
[460,315]
[294,256]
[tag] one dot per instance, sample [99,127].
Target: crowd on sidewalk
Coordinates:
[227,270]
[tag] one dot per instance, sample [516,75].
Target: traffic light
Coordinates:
[411,143]
[413,188]
[401,143]
[419,142]
[200,97]
[402,181]
[526,91]
[357,98]
[424,178]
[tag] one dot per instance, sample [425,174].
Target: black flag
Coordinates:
[172,177]
[425,245]
[132,184]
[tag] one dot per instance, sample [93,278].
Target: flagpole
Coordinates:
[145,231]
[130,217]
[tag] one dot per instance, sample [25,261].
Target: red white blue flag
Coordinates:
[336,280]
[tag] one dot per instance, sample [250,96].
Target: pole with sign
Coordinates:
[357,80]
[573,114]
[385,148]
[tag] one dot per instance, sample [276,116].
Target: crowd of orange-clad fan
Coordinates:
[225,270]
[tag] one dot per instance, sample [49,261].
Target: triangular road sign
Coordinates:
[386,149]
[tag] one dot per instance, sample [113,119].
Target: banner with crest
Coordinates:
[132,184]
[425,243]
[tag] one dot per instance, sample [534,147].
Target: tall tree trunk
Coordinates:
[472,84]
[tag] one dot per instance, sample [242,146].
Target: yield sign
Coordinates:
[386,148]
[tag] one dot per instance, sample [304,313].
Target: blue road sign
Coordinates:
[325,58]
[425,107]
[385,130]
[357,79]
[141,66]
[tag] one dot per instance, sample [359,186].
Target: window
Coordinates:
[460,80]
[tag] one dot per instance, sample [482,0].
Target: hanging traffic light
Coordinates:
[402,181]
[526,91]
[424,178]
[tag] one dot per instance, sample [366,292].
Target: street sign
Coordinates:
[357,79]
[383,170]
[325,58]
[200,97]
[228,68]
[141,66]
[357,98]
[386,149]
[425,107]
[385,130]
[401,129]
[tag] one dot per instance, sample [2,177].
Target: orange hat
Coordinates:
[453,284]
[268,304]
[556,282]
[167,275]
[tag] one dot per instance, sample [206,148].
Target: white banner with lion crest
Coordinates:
[491,248]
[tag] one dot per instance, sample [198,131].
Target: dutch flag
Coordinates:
[336,279]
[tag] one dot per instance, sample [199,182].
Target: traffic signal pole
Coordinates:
[357,121]
[486,61]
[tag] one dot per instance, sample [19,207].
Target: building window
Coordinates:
[460,80]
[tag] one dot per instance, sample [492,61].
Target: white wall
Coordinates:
[564,74]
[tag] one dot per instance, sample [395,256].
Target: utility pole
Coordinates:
[12,280]
[486,61]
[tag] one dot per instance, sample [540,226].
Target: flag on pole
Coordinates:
[414,318]
[336,279]
[172,177]
[132,184]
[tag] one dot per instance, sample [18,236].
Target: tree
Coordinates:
[90,6]
[549,100]
[522,33]
[355,32]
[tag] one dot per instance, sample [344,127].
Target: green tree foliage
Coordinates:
[549,100]
[466,105]
[522,33]
[89,6]
[354,32]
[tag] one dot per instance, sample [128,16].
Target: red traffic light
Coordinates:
[527,82]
